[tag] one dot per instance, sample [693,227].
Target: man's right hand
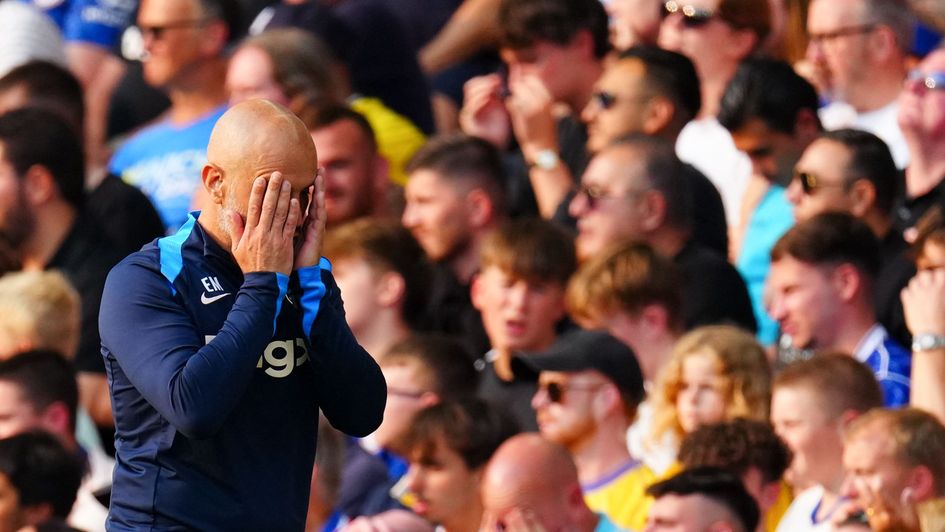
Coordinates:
[483,114]
[264,243]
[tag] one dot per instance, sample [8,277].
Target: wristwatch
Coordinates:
[546,160]
[927,342]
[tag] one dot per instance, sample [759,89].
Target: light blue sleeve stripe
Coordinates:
[169,248]
[313,290]
[283,281]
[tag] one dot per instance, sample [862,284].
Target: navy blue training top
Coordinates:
[216,381]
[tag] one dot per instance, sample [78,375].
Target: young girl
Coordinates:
[715,373]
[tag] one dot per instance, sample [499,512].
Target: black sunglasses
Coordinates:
[604,99]
[810,182]
[693,17]
[157,31]
[555,390]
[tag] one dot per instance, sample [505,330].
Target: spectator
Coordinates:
[706,498]
[859,51]
[635,295]
[531,482]
[519,292]
[448,446]
[634,23]
[382,271]
[185,60]
[38,391]
[812,403]
[357,177]
[821,285]
[123,212]
[554,51]
[715,374]
[633,191]
[928,249]
[40,479]
[48,229]
[751,450]
[925,316]
[893,460]
[771,113]
[852,171]
[656,92]
[701,33]
[921,116]
[589,389]
[294,68]
[40,310]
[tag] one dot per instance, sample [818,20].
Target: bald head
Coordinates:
[254,139]
[255,131]
[529,472]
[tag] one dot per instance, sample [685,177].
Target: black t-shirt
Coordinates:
[909,210]
[714,291]
[450,311]
[125,214]
[514,397]
[85,258]
[895,272]
[709,227]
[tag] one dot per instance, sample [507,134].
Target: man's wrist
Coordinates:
[544,159]
[927,341]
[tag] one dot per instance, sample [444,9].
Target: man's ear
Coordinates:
[476,289]
[654,214]
[213,39]
[390,289]
[212,178]
[847,280]
[39,185]
[583,43]
[658,115]
[479,208]
[56,418]
[806,126]
[920,487]
[741,44]
[862,196]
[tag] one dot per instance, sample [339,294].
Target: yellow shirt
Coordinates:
[397,138]
[777,511]
[621,495]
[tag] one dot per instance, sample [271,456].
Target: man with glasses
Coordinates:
[589,388]
[654,91]
[184,43]
[922,119]
[858,51]
[716,35]
[633,191]
[852,171]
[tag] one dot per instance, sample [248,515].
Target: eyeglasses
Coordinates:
[930,80]
[810,182]
[156,32]
[693,17]
[555,390]
[816,38]
[400,392]
[596,194]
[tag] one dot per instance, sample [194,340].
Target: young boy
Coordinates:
[519,291]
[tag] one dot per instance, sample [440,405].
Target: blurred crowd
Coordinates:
[624,264]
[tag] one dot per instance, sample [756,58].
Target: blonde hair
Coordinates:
[40,311]
[741,362]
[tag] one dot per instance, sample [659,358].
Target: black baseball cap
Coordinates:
[581,350]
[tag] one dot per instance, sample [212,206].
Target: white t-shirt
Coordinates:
[708,146]
[800,515]
[658,456]
[881,122]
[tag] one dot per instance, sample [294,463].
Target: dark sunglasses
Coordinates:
[930,80]
[157,32]
[604,99]
[693,17]
[555,390]
[810,182]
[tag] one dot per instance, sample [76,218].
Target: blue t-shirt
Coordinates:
[165,162]
[890,362]
[216,380]
[606,525]
[99,22]
[771,219]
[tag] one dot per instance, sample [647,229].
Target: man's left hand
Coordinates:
[308,248]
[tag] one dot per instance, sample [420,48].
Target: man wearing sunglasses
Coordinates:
[858,50]
[183,56]
[716,35]
[589,388]
[852,171]
[922,119]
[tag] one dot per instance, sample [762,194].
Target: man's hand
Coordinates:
[530,107]
[308,249]
[923,302]
[264,242]
[483,114]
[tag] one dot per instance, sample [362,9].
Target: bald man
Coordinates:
[532,484]
[222,341]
